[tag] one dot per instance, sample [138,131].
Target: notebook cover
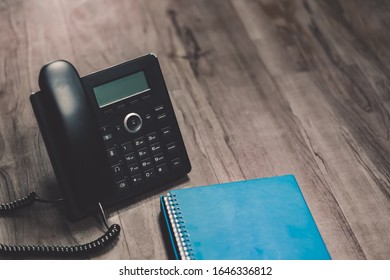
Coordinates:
[265,218]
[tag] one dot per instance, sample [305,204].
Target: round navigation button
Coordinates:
[132,122]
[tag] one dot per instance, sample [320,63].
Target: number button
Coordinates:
[155,148]
[136,179]
[146,163]
[134,168]
[127,147]
[149,174]
[152,137]
[130,158]
[158,158]
[139,142]
[143,153]
[162,168]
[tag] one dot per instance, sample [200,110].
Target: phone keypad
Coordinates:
[144,158]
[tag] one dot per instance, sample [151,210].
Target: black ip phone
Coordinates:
[110,136]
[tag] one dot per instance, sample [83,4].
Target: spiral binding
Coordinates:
[182,237]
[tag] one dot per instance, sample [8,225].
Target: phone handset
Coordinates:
[72,136]
[77,153]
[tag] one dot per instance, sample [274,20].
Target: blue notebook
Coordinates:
[264,218]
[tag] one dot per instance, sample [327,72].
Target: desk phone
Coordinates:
[110,135]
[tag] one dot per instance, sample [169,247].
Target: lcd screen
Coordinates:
[120,89]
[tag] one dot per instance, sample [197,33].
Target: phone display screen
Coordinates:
[120,89]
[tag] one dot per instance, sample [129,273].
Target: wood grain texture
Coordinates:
[260,88]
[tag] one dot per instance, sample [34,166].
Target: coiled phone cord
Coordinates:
[76,251]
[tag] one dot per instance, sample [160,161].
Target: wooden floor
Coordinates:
[260,88]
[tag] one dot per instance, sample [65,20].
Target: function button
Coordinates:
[107,136]
[152,137]
[159,109]
[130,158]
[122,185]
[133,102]
[127,147]
[162,117]
[132,122]
[155,148]
[108,112]
[146,97]
[149,174]
[146,163]
[172,148]
[143,153]
[118,129]
[121,107]
[176,163]
[158,158]
[139,142]
[104,129]
[117,169]
[134,168]
[162,168]
[166,131]
[148,118]
[112,153]
[136,179]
